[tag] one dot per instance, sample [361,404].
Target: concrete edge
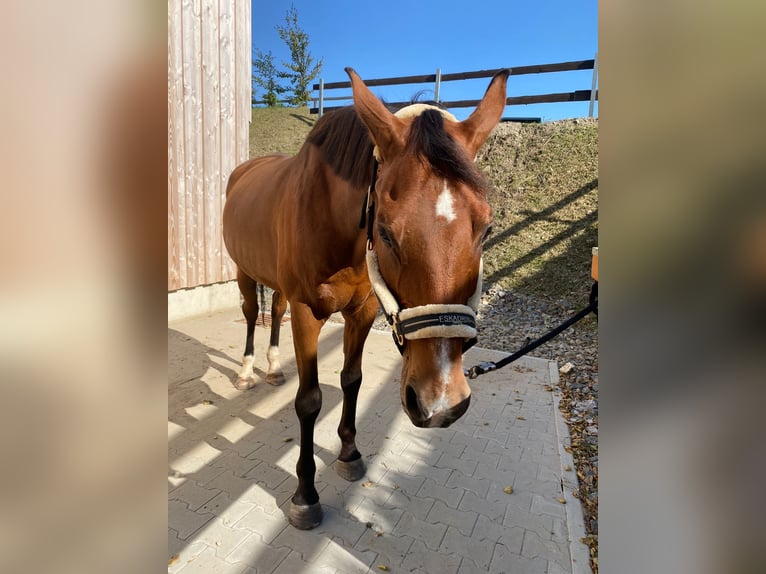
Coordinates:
[187,303]
[578,552]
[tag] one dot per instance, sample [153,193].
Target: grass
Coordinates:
[279,130]
[544,198]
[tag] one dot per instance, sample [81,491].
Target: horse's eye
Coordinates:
[384,236]
[487,233]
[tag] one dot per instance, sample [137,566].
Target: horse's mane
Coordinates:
[346,146]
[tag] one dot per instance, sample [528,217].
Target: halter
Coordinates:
[424,321]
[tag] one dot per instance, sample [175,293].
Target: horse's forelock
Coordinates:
[430,140]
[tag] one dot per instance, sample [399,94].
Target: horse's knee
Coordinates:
[308,403]
[350,380]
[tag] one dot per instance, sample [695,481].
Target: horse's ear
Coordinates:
[387,131]
[477,127]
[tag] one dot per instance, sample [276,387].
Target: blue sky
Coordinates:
[401,38]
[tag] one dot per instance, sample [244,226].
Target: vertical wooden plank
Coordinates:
[211,143]
[244,86]
[176,165]
[192,101]
[228,53]
[172,186]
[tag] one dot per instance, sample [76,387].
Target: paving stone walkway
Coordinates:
[433,500]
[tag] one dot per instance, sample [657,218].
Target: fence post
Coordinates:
[593,85]
[437,84]
[321,97]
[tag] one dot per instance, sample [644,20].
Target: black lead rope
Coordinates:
[486,367]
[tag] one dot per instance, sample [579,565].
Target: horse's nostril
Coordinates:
[411,400]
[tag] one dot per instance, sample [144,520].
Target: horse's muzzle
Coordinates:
[439,419]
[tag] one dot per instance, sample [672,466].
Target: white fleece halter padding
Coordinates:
[414,110]
[391,306]
[439,331]
[386,298]
[475,299]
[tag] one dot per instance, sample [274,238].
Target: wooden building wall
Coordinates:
[209,112]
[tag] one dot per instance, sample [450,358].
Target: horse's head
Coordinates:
[431,217]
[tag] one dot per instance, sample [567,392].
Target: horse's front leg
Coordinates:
[358,322]
[305,510]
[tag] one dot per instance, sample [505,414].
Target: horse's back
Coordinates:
[250,165]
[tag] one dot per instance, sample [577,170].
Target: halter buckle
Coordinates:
[396,329]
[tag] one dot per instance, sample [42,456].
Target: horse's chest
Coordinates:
[347,288]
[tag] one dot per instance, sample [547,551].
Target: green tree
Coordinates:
[265,75]
[303,68]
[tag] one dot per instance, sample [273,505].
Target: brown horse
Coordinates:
[292,223]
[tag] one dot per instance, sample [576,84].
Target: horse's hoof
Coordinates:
[276,379]
[244,384]
[305,516]
[352,470]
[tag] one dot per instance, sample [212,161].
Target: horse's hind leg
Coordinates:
[249,289]
[278,308]
[350,465]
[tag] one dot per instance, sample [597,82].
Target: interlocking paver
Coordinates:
[257,555]
[545,505]
[235,463]
[435,474]
[478,551]
[464,465]
[432,500]
[422,560]
[345,559]
[223,538]
[505,561]
[193,494]
[292,564]
[382,517]
[309,544]
[207,562]
[450,496]
[535,546]
[479,486]
[183,520]
[463,520]
[421,531]
[227,507]
[391,550]
[474,503]
[267,526]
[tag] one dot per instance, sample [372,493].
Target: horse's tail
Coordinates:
[263,303]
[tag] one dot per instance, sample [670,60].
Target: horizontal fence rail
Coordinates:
[575,96]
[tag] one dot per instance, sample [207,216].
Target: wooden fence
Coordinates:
[437,78]
[209,112]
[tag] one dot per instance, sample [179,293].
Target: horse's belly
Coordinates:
[248,220]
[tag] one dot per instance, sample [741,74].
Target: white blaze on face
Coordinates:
[444,204]
[444,365]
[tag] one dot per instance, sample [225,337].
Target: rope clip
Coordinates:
[480,369]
